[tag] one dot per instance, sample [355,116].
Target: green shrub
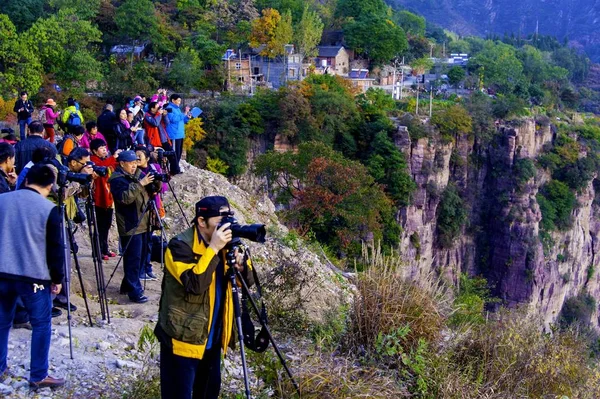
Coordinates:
[591,270]
[556,203]
[452,215]
[452,121]
[524,170]
[469,303]
[577,310]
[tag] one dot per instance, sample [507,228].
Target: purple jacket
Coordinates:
[51,115]
[87,138]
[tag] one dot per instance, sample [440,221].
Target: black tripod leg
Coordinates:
[178,204]
[163,235]
[238,321]
[266,327]
[76,260]
[96,256]
[67,269]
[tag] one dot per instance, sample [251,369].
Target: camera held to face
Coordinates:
[101,171]
[162,154]
[162,177]
[252,232]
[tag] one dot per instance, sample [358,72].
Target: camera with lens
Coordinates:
[163,177]
[162,154]
[65,175]
[252,232]
[101,171]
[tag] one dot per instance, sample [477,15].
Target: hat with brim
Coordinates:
[127,156]
[211,206]
[51,102]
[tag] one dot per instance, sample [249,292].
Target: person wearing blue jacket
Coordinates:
[175,123]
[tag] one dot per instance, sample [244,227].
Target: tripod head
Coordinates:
[256,342]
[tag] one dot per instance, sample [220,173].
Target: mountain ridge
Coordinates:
[576,20]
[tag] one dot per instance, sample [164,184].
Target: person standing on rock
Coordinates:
[128,188]
[34,269]
[195,317]
[24,109]
[175,121]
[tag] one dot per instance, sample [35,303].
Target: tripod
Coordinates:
[96,255]
[234,275]
[72,245]
[164,163]
[67,262]
[150,206]
[163,236]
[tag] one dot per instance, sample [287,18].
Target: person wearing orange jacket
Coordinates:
[154,127]
[103,200]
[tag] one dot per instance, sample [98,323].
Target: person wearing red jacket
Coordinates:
[102,197]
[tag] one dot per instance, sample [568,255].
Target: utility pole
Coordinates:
[402,78]
[394,81]
[251,74]
[430,100]
[417,109]
[228,71]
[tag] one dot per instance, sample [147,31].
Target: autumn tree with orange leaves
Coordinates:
[333,198]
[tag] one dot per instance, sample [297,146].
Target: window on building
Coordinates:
[238,65]
[292,72]
[256,71]
[240,79]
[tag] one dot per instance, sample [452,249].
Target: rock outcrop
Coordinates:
[501,239]
[307,281]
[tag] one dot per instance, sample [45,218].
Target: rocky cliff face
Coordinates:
[500,240]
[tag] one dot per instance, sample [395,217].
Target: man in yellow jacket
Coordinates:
[196,318]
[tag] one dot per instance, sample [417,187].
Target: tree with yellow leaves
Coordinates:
[273,31]
[193,133]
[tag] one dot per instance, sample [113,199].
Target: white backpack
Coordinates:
[43,117]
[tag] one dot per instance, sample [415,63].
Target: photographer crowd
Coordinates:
[120,166]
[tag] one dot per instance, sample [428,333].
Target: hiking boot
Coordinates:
[111,254]
[105,257]
[48,382]
[63,305]
[152,275]
[56,312]
[140,299]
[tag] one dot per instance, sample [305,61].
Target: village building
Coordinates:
[333,60]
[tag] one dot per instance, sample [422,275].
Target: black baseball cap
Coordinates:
[211,206]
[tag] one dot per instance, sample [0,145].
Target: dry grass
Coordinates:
[511,357]
[332,377]
[387,302]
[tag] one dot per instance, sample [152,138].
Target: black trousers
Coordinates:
[133,247]
[178,148]
[185,378]
[104,220]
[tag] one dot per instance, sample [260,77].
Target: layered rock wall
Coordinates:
[501,240]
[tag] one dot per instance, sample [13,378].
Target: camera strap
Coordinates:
[255,342]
